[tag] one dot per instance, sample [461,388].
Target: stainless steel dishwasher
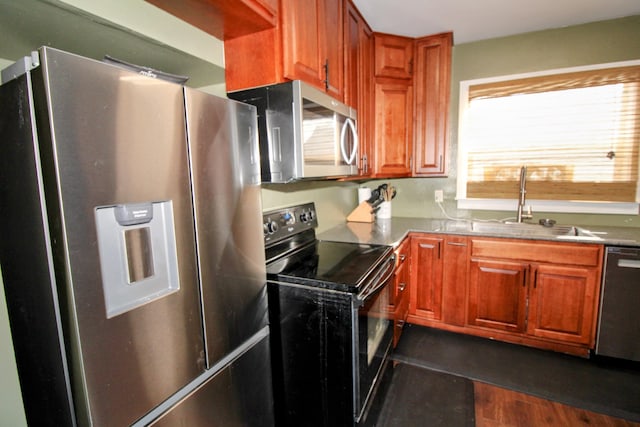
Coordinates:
[619,326]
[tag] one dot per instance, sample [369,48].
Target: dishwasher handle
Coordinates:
[628,263]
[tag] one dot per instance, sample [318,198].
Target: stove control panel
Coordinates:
[281,223]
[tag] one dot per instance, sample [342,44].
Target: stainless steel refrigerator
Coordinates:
[131,249]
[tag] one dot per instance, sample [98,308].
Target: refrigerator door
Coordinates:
[226,189]
[238,395]
[27,266]
[115,141]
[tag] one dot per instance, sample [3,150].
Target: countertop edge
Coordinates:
[392,232]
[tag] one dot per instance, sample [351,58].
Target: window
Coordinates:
[577,131]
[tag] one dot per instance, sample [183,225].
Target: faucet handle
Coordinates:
[529,214]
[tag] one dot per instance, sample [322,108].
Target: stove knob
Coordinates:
[271,227]
[306,216]
[288,218]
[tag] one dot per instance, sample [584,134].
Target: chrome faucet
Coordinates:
[521,199]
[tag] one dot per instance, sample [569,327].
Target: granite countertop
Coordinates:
[392,231]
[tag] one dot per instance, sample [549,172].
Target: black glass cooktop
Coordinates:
[334,265]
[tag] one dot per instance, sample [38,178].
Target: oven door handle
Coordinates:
[388,271]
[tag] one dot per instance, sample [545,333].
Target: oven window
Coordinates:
[375,336]
[377,320]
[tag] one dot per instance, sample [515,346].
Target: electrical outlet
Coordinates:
[439,196]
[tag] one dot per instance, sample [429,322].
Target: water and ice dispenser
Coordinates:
[138,255]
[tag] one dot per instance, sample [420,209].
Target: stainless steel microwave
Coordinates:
[304,133]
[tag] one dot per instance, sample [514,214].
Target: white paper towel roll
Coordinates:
[364,193]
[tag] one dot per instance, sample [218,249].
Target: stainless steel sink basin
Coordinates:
[533,230]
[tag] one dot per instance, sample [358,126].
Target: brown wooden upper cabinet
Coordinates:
[394,56]
[398,85]
[224,19]
[307,44]
[358,79]
[393,128]
[411,139]
[431,81]
[393,105]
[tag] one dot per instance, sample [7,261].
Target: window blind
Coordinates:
[578,134]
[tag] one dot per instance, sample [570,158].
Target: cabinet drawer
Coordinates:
[538,251]
[402,252]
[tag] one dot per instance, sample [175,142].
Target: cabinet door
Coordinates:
[425,299]
[366,112]
[312,39]
[562,303]
[393,127]
[497,294]
[432,79]
[302,42]
[352,47]
[331,29]
[393,56]
[358,43]
[454,280]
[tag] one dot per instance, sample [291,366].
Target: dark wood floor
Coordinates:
[499,407]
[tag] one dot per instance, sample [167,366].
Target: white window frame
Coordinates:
[629,208]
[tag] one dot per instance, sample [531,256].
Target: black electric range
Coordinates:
[331,324]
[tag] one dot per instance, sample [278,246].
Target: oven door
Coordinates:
[374,332]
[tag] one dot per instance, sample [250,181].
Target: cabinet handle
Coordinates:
[527,273]
[326,75]
[402,286]
[365,164]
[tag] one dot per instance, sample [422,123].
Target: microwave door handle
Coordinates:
[348,123]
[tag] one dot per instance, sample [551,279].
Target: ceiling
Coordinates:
[473,20]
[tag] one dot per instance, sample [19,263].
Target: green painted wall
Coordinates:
[11,409]
[334,200]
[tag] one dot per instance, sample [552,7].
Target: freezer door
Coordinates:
[111,140]
[226,189]
[238,395]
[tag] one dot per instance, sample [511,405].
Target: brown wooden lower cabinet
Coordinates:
[498,294]
[563,303]
[425,299]
[438,279]
[537,293]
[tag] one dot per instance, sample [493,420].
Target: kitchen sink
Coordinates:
[525,229]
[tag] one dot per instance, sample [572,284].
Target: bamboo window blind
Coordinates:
[578,133]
